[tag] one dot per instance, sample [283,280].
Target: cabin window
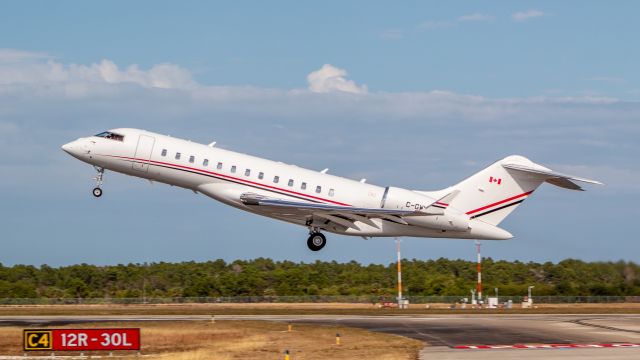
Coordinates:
[290,183]
[192,159]
[205,162]
[331,192]
[177,156]
[233,169]
[247,172]
[164,152]
[276,179]
[110,135]
[303,186]
[219,166]
[318,189]
[261,175]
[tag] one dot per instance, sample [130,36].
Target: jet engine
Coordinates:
[403,199]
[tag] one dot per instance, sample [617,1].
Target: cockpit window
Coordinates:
[110,135]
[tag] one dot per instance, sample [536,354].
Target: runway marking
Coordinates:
[547,346]
[585,323]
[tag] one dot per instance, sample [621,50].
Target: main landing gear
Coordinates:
[316,241]
[97,191]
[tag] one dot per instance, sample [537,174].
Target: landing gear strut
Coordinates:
[316,241]
[97,191]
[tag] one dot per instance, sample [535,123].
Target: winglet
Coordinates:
[438,207]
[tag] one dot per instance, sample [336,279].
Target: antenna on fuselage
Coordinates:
[363,180]
[324,171]
[212,144]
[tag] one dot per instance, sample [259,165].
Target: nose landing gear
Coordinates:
[316,241]
[97,191]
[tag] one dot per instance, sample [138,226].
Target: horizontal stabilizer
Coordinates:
[552,177]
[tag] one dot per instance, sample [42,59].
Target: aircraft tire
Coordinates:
[97,192]
[316,241]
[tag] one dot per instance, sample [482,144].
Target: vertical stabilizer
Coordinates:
[493,193]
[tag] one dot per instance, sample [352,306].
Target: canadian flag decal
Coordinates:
[495,180]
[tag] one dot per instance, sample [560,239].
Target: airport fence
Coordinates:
[310,299]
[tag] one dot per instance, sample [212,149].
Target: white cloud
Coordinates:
[13,55]
[26,68]
[332,79]
[476,17]
[526,15]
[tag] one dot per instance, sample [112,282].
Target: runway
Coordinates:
[450,336]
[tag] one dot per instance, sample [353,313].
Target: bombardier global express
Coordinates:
[471,209]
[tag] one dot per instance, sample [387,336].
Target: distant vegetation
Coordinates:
[265,277]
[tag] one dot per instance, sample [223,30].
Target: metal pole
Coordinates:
[399,274]
[479,269]
[144,283]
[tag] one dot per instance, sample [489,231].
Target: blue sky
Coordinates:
[412,94]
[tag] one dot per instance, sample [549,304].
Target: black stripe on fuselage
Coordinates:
[224,179]
[496,209]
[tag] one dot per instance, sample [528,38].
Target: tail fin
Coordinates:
[494,192]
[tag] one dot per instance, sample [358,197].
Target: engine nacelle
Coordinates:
[440,222]
[402,199]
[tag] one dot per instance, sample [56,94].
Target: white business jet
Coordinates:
[471,209]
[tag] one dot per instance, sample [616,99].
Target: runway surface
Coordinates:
[445,336]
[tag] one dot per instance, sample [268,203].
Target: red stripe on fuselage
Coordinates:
[231,177]
[499,202]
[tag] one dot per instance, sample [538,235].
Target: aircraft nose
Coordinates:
[68,147]
[73,148]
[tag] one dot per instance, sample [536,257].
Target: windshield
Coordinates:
[110,135]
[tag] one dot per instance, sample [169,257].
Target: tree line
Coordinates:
[265,277]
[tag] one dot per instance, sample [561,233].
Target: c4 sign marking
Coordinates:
[37,340]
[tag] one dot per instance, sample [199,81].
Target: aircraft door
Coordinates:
[143,152]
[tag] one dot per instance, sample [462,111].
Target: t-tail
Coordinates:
[491,194]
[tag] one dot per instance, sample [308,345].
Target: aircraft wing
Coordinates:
[342,215]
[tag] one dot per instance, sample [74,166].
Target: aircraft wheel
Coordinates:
[97,192]
[316,241]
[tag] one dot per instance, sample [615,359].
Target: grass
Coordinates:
[225,340]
